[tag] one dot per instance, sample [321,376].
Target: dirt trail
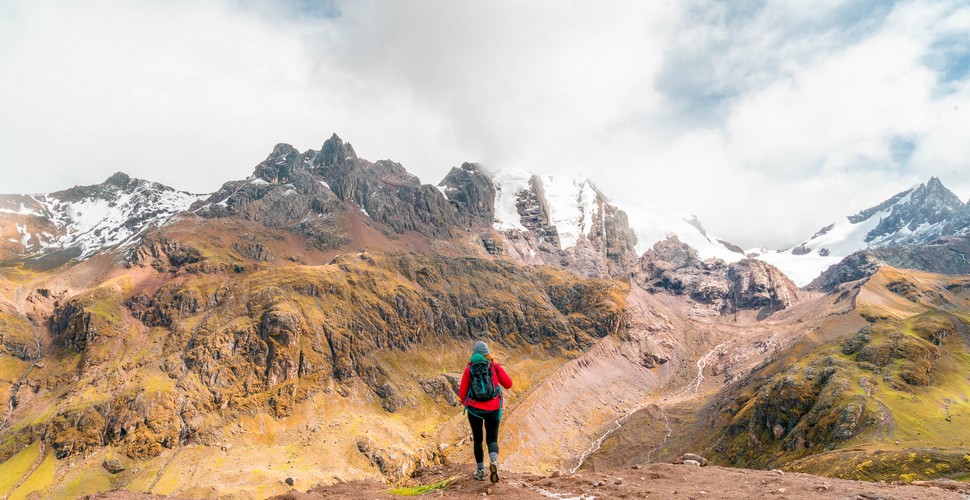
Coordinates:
[33,468]
[598,442]
[648,481]
[684,394]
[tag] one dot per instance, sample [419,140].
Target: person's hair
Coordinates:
[490,357]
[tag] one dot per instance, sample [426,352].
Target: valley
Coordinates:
[312,320]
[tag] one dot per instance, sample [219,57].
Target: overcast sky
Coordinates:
[767,120]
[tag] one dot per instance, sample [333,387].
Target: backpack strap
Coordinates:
[468,393]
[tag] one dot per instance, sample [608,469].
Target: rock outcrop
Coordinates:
[471,191]
[674,267]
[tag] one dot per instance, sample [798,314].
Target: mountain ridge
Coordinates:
[541,219]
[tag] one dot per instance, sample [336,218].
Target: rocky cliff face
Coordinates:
[472,192]
[673,267]
[317,193]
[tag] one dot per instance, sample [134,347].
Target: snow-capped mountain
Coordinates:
[919,215]
[85,220]
[575,210]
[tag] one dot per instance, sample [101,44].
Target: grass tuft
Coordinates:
[411,491]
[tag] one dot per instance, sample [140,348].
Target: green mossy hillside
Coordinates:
[888,402]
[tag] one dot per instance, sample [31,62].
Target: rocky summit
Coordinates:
[302,332]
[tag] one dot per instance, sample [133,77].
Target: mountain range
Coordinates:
[559,212]
[311,321]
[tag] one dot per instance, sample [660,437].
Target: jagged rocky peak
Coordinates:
[562,220]
[562,209]
[281,164]
[120,179]
[338,157]
[944,256]
[303,192]
[471,189]
[335,152]
[118,183]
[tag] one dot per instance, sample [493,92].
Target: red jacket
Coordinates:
[498,377]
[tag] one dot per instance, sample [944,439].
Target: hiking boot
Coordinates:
[494,473]
[480,474]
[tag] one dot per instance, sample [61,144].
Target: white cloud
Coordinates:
[767,122]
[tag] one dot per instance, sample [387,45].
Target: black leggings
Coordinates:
[490,419]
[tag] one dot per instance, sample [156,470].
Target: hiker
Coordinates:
[482,397]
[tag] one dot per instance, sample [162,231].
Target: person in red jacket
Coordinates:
[483,411]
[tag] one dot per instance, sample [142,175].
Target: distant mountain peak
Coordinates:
[926,205]
[119,179]
[85,220]
[919,215]
[335,151]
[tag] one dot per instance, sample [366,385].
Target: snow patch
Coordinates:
[25,235]
[508,185]
[801,269]
[577,210]
[23,210]
[572,207]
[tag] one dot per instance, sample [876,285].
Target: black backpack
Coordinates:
[481,384]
